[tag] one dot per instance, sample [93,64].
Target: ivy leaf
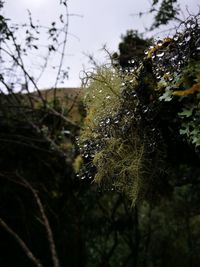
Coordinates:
[167,96]
[196,140]
[184,131]
[186,113]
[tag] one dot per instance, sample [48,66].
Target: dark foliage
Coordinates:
[131,49]
[142,138]
[51,217]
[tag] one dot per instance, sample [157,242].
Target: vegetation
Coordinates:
[155,101]
[164,11]
[131,49]
[126,191]
[146,144]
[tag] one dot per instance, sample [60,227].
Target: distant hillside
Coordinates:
[70,101]
[69,98]
[63,93]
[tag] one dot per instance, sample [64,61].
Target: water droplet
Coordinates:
[176,37]
[133,94]
[132,70]
[108,120]
[146,110]
[160,43]
[197,44]
[187,37]
[190,24]
[160,54]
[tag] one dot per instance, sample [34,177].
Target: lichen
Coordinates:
[137,118]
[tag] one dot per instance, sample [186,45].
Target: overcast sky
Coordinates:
[101,22]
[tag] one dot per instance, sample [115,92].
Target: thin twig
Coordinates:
[22,244]
[63,51]
[25,73]
[46,224]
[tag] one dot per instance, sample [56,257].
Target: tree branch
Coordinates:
[22,244]
[47,226]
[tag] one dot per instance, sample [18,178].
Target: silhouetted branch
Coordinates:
[46,223]
[22,244]
[63,49]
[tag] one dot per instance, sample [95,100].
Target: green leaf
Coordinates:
[167,96]
[186,113]
[184,131]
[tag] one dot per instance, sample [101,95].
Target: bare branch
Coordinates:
[22,244]
[63,50]
[46,224]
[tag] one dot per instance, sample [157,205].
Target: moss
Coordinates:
[159,46]
[101,97]
[77,164]
[132,130]
[120,165]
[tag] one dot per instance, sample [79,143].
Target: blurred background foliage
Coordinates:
[139,140]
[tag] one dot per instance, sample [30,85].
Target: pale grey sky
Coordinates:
[102,22]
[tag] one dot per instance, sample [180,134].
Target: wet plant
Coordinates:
[136,119]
